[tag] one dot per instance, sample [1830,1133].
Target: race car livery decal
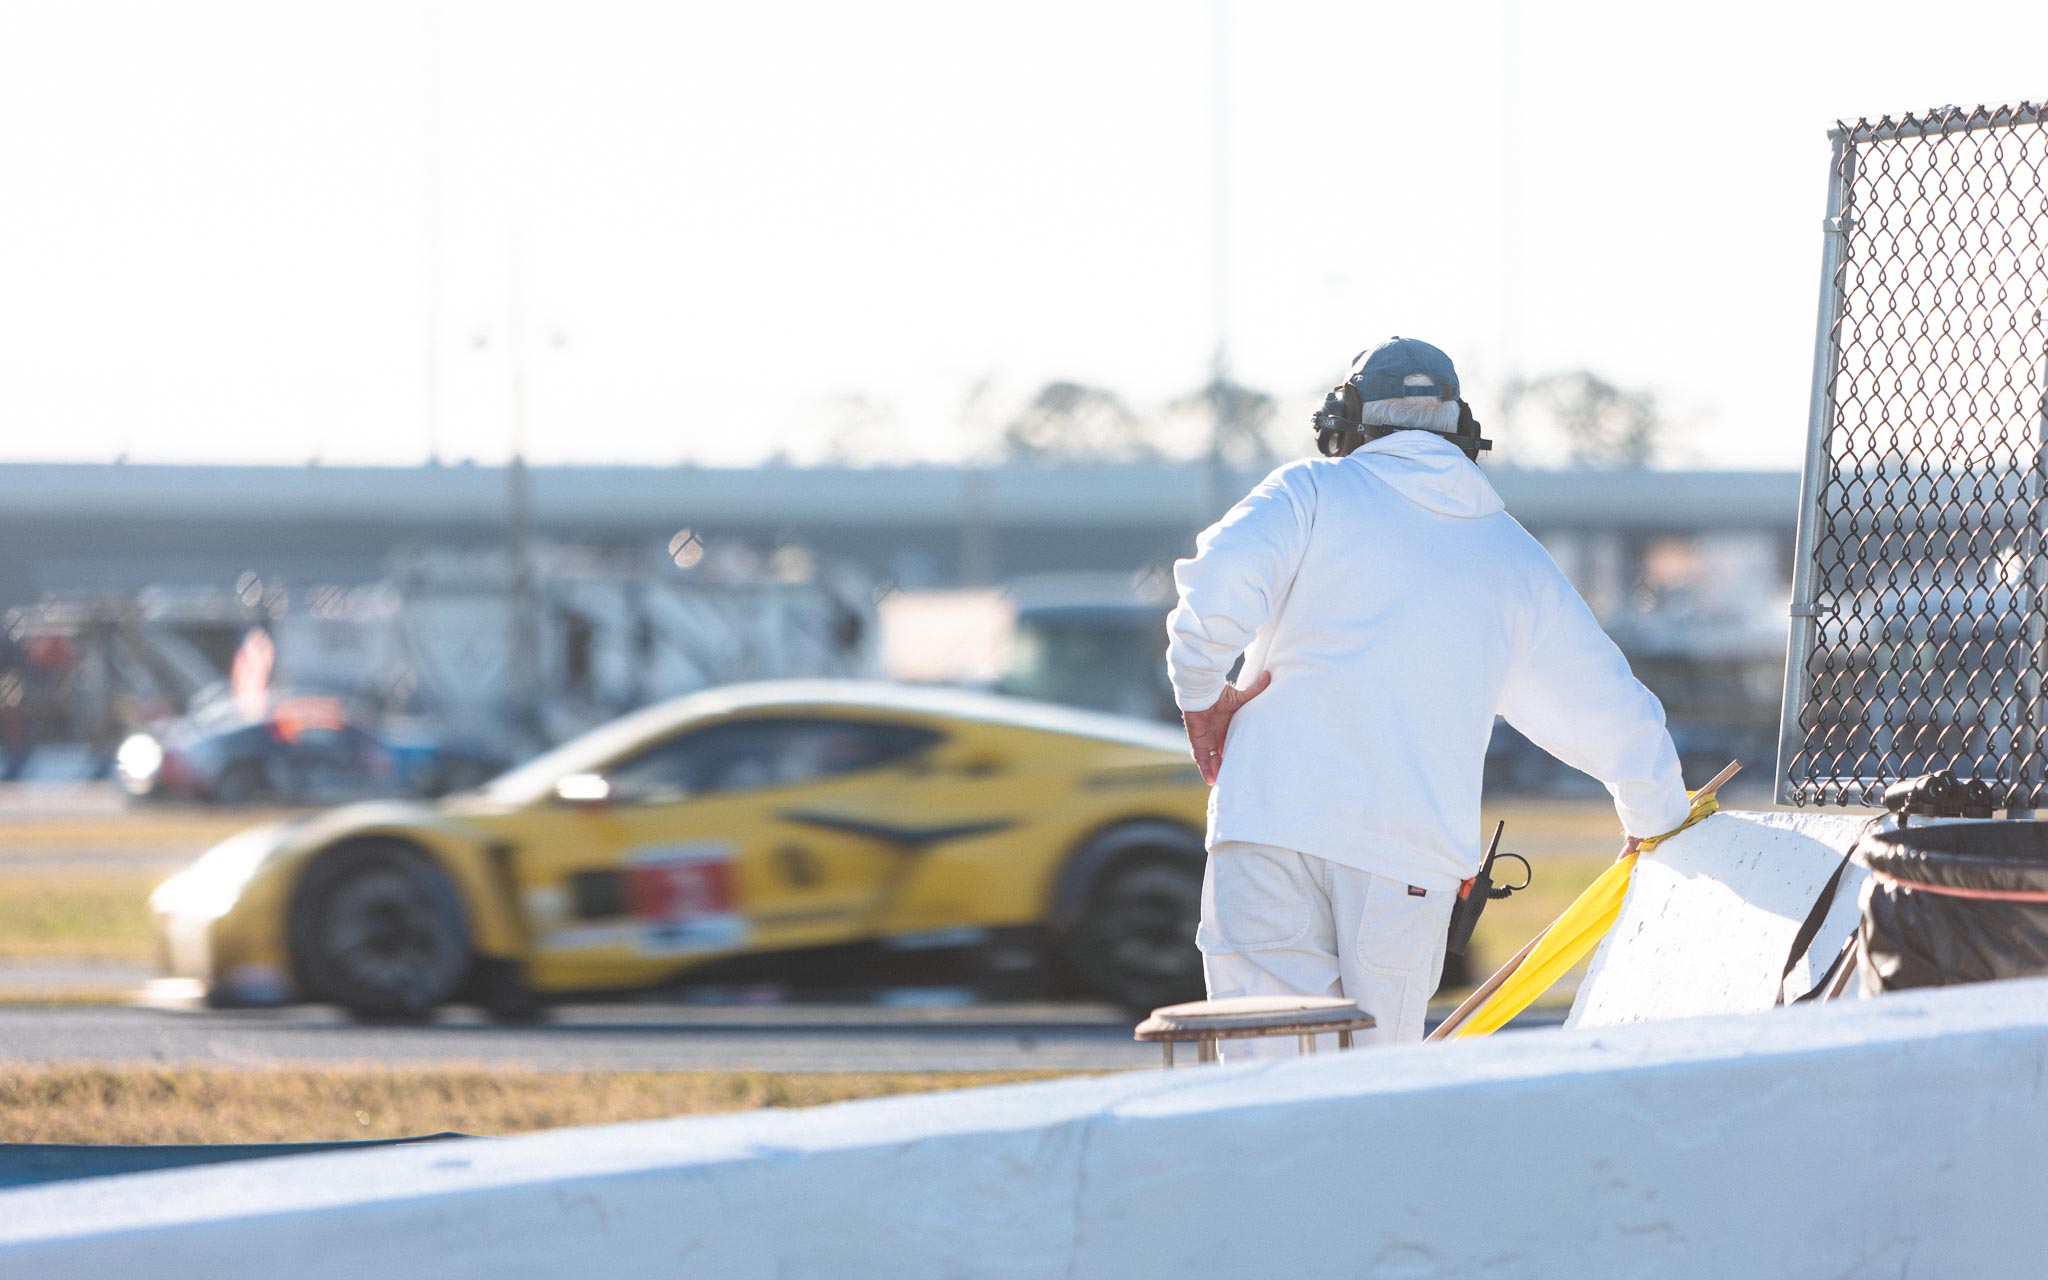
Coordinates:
[914,839]
[684,894]
[675,899]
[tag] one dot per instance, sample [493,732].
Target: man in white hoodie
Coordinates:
[1387,609]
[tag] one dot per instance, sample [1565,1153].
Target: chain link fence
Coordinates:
[1916,640]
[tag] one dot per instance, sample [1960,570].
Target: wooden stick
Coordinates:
[1720,779]
[1486,989]
[1471,1003]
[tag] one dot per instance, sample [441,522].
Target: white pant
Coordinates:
[1276,922]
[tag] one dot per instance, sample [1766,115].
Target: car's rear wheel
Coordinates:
[1133,942]
[378,928]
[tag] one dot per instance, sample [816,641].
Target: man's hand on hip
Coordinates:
[1206,729]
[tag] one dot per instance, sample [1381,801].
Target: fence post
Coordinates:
[1813,479]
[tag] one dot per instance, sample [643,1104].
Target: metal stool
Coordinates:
[1242,1017]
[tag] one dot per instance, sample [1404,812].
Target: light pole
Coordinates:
[524,615]
[431,228]
[1221,402]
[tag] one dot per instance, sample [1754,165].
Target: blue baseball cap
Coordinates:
[1385,372]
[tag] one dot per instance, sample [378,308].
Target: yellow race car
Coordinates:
[803,824]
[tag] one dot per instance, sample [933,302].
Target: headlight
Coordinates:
[209,887]
[140,756]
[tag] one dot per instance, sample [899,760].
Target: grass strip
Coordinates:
[168,829]
[98,1104]
[61,997]
[78,915]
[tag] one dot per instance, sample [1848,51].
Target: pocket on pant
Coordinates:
[1400,933]
[1253,899]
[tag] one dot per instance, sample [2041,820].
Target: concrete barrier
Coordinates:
[1864,1138]
[1711,914]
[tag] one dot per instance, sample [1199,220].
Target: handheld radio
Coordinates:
[1474,894]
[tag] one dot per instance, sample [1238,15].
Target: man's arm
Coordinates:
[1570,692]
[1241,568]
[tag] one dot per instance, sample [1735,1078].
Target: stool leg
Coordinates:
[1167,1045]
[1307,1043]
[1205,1051]
[1344,1038]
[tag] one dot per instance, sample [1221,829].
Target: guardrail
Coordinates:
[1713,1146]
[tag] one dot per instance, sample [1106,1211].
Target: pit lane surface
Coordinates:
[1056,1037]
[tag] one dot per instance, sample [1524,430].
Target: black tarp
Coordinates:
[1946,903]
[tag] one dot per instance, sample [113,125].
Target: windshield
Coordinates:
[535,780]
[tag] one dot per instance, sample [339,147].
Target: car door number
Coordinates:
[669,899]
[682,896]
[679,892]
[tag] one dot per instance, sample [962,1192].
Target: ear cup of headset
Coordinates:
[1337,419]
[1350,406]
[1468,436]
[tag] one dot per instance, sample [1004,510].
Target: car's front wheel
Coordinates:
[1133,941]
[378,928]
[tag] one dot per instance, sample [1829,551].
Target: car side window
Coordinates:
[750,754]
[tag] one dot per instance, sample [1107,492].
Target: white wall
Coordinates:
[1873,1138]
[1711,914]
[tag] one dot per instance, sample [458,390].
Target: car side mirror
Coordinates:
[584,791]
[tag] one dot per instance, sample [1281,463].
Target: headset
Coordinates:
[1338,420]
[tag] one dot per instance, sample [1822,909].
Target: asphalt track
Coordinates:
[636,1037]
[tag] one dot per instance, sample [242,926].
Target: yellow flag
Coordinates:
[1702,805]
[1571,937]
[1567,942]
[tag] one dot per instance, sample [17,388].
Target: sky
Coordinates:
[716,233]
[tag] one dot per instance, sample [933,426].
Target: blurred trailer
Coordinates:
[429,657]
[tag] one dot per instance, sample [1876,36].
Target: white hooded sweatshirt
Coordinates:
[1399,608]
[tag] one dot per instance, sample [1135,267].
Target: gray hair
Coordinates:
[1426,412]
